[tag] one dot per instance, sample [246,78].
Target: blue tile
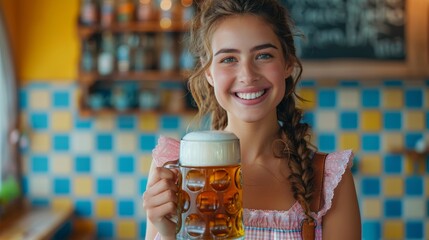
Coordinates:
[61,186]
[39,164]
[126,164]
[349,120]
[23,100]
[371,98]
[307,83]
[327,142]
[411,139]
[371,142]
[40,202]
[414,229]
[147,142]
[393,164]
[327,98]
[126,122]
[104,142]
[371,230]
[39,120]
[370,186]
[393,208]
[143,184]
[61,142]
[414,186]
[83,123]
[126,208]
[392,120]
[308,118]
[25,185]
[61,99]
[83,208]
[83,164]
[105,229]
[142,232]
[414,98]
[393,83]
[349,83]
[104,186]
[170,122]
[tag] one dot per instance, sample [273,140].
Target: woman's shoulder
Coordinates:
[336,165]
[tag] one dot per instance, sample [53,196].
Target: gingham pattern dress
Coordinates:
[272,224]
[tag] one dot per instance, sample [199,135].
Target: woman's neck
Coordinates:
[255,138]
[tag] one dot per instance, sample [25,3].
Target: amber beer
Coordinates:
[210,205]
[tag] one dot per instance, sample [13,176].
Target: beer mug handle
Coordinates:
[176,218]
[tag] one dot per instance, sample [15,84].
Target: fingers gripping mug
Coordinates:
[210,196]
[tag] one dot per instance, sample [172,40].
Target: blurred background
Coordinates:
[87,87]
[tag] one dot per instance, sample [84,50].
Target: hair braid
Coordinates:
[295,135]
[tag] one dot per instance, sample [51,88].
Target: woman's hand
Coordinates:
[160,201]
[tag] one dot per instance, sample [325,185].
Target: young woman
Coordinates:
[246,79]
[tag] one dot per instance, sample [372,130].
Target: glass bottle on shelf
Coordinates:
[150,50]
[139,61]
[186,59]
[167,61]
[88,12]
[106,56]
[124,11]
[188,10]
[107,12]
[123,53]
[88,56]
[145,10]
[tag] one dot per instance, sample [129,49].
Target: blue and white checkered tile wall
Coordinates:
[99,165]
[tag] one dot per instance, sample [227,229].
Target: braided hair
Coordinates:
[294,133]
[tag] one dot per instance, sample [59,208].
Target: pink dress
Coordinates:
[272,224]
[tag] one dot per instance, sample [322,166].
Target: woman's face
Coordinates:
[248,70]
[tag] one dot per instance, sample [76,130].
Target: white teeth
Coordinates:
[250,96]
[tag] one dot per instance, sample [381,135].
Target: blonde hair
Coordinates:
[294,134]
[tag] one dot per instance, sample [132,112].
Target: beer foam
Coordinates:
[209,148]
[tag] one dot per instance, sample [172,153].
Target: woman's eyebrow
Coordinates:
[255,48]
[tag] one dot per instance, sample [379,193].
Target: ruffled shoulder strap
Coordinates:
[166,150]
[335,165]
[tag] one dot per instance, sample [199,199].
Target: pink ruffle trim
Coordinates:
[167,150]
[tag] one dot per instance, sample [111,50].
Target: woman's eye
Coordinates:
[264,56]
[228,60]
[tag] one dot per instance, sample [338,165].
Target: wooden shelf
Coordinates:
[34,223]
[155,27]
[412,153]
[179,76]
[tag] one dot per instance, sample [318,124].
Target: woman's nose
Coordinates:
[247,72]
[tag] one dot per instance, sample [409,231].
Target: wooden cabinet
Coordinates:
[134,65]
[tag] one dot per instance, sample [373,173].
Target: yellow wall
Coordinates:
[44,36]
[47,40]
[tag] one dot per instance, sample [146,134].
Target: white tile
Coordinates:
[348,98]
[40,99]
[125,187]
[103,164]
[105,123]
[61,164]
[327,120]
[126,142]
[82,142]
[414,207]
[39,186]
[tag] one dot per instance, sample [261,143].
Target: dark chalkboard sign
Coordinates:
[361,29]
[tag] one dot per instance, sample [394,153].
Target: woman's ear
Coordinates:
[289,69]
[209,77]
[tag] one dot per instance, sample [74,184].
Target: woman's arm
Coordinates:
[342,221]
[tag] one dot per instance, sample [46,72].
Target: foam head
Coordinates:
[209,148]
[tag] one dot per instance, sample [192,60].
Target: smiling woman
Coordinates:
[9,171]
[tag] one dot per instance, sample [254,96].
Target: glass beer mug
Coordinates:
[210,196]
